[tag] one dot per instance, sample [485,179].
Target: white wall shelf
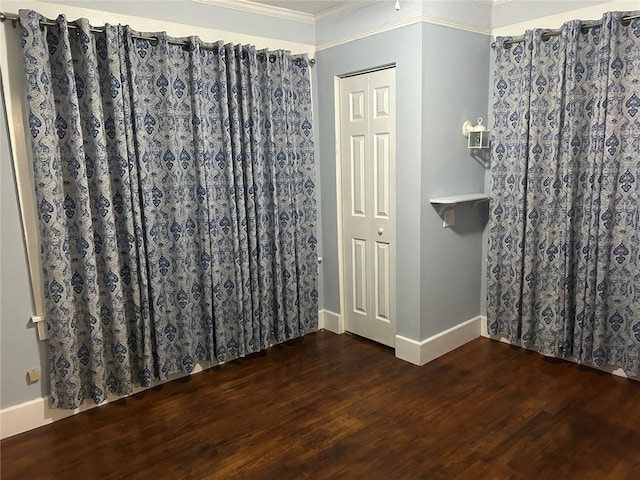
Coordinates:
[466,197]
[442,203]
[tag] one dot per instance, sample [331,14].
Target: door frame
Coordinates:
[338,142]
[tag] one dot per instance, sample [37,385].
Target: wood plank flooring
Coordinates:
[339,407]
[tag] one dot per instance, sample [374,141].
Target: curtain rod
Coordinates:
[554,33]
[150,38]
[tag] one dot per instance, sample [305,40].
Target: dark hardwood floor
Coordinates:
[339,407]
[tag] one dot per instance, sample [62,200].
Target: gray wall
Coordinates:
[19,349]
[456,71]
[442,78]
[402,47]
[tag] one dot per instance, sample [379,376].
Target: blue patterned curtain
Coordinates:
[564,243]
[176,197]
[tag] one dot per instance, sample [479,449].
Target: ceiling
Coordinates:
[323,7]
[313,7]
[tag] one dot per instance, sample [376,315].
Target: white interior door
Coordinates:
[367,152]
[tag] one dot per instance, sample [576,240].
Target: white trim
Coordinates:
[433,347]
[467,27]
[338,157]
[41,327]
[262,9]
[403,23]
[21,153]
[330,321]
[484,332]
[37,413]
[617,371]
[408,350]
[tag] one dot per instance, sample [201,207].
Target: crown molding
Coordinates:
[404,23]
[493,3]
[286,14]
[261,9]
[467,27]
[342,9]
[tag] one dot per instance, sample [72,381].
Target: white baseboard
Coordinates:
[331,321]
[617,371]
[433,347]
[408,350]
[32,414]
[484,331]
[37,413]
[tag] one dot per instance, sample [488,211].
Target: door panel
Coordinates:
[367,149]
[357,105]
[358,176]
[360,278]
[382,282]
[381,102]
[381,174]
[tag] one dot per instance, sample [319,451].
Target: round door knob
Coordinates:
[380,231]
